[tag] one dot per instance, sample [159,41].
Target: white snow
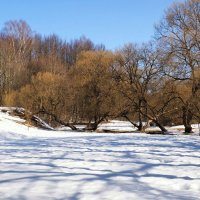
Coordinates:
[116,125]
[38,165]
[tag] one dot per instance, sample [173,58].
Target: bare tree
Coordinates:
[15,52]
[179,38]
[141,83]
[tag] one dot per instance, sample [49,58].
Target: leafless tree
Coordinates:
[179,37]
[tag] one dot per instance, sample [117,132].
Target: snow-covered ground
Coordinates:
[38,165]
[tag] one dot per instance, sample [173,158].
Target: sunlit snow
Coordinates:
[38,164]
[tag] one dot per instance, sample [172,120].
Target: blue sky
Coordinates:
[111,22]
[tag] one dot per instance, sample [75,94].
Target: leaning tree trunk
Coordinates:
[187,117]
[162,128]
[97,120]
[58,120]
[155,120]
[91,126]
[139,127]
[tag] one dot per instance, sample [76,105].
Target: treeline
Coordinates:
[80,82]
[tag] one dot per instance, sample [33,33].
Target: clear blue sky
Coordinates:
[111,22]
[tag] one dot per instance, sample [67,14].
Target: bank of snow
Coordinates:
[37,164]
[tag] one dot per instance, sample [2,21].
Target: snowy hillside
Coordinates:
[39,164]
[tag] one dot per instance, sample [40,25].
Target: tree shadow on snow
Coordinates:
[116,163]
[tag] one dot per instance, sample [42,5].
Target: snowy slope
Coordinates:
[37,164]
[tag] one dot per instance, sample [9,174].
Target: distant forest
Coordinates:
[82,82]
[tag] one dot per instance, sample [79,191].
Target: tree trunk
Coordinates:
[187,117]
[139,127]
[59,120]
[91,126]
[162,128]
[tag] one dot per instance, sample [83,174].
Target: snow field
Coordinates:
[37,164]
